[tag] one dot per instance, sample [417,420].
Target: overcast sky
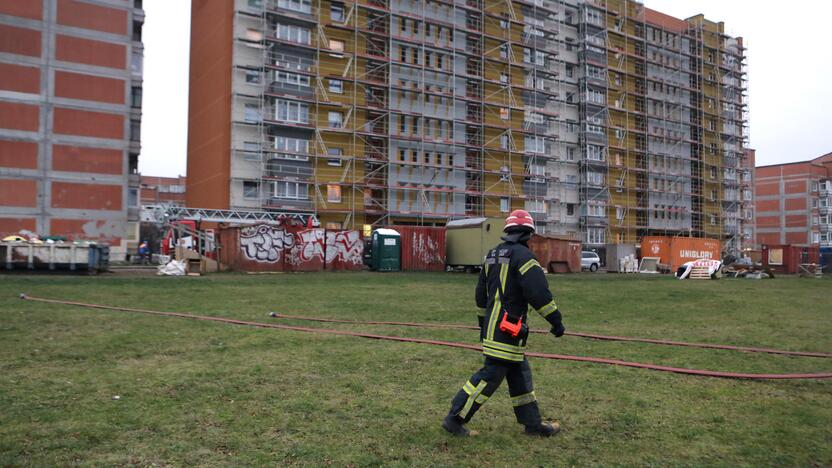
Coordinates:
[789,65]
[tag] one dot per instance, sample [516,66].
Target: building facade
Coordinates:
[163,190]
[70,116]
[794,202]
[605,120]
[748,220]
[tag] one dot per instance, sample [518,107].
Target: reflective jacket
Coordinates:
[511,280]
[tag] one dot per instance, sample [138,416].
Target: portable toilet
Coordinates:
[387,250]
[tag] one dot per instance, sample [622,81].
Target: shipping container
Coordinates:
[788,258]
[467,241]
[556,254]
[423,248]
[86,257]
[687,249]
[676,251]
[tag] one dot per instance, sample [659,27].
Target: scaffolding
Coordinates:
[376,112]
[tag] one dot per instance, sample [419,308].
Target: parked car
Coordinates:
[590,261]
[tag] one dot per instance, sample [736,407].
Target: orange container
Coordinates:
[675,251]
[656,246]
[686,249]
[557,254]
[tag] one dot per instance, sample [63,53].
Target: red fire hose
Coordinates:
[581,335]
[704,373]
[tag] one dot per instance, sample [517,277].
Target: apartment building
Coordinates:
[604,119]
[794,202]
[157,190]
[748,219]
[70,116]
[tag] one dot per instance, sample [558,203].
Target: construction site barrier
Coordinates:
[595,360]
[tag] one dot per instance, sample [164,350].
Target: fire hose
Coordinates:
[580,335]
[615,362]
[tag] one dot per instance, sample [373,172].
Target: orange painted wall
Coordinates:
[21,41]
[19,78]
[31,9]
[90,52]
[81,159]
[86,196]
[19,154]
[88,123]
[15,116]
[89,87]
[209,113]
[18,192]
[89,16]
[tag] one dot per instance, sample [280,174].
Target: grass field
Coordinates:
[200,393]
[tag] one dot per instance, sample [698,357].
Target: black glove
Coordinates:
[556,319]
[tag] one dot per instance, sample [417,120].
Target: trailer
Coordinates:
[467,241]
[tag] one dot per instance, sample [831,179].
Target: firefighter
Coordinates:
[510,281]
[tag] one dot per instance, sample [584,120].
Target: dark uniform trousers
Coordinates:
[485,382]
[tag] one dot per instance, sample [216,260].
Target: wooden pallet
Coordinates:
[699,272]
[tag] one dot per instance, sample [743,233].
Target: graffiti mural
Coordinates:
[427,250]
[308,248]
[265,243]
[343,249]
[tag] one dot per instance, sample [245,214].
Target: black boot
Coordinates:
[454,425]
[543,429]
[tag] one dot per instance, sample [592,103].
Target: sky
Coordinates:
[789,69]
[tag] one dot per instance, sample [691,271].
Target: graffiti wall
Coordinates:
[344,250]
[267,248]
[307,253]
[264,243]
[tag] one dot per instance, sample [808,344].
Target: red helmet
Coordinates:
[519,218]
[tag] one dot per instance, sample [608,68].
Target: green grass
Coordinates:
[200,393]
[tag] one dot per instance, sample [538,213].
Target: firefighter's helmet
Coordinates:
[519,219]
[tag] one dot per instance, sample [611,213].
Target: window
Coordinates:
[595,97]
[133,197]
[775,256]
[292,111]
[293,79]
[504,205]
[814,186]
[504,113]
[595,153]
[251,190]
[570,209]
[535,144]
[292,148]
[595,209]
[535,206]
[595,178]
[293,33]
[303,6]
[335,119]
[713,172]
[336,12]
[253,77]
[251,150]
[290,190]
[619,213]
[336,86]
[596,235]
[333,193]
[334,156]
[336,45]
[135,130]
[136,97]
[570,153]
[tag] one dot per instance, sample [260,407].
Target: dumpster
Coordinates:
[467,241]
[73,256]
[386,250]
[557,254]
